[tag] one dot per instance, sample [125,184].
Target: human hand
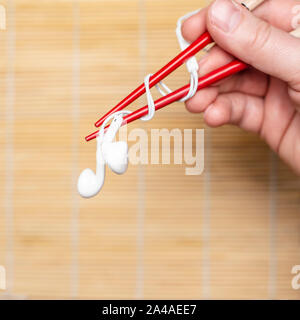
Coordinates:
[265,98]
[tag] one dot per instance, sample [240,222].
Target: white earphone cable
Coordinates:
[112,116]
[150,101]
[163,89]
[192,67]
[89,183]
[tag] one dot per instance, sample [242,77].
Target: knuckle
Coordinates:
[260,37]
[295,79]
[294,93]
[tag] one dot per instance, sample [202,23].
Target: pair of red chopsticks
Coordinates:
[205,81]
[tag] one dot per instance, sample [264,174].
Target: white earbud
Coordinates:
[115,154]
[89,183]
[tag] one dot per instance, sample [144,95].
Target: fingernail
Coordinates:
[225,15]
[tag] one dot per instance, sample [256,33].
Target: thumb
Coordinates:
[254,41]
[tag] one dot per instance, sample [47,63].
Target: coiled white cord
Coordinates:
[115,154]
[192,67]
[150,101]
[163,89]
[112,116]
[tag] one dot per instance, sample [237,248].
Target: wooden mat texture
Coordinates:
[232,232]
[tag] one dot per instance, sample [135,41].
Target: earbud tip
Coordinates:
[87,184]
[116,156]
[119,168]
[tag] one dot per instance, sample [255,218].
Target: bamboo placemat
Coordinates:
[232,232]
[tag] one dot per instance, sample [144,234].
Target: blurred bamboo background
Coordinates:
[232,232]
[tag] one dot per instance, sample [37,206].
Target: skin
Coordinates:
[264,99]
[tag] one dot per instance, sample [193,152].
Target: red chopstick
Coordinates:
[205,81]
[195,47]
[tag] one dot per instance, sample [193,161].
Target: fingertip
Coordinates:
[201,100]
[194,26]
[192,106]
[215,116]
[190,29]
[189,105]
